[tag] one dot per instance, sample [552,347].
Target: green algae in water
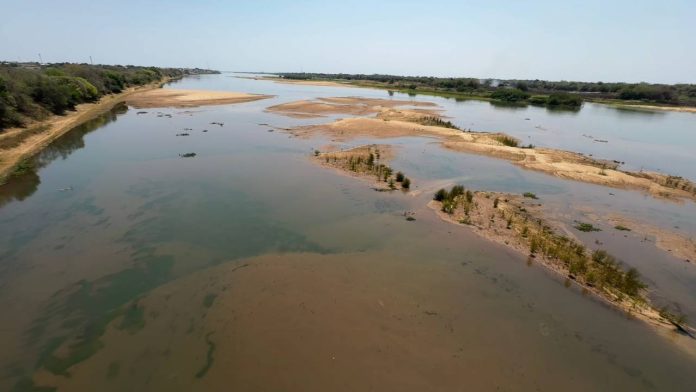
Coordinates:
[209,358]
[209,299]
[133,318]
[113,370]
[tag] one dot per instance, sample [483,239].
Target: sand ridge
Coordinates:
[189,98]
[393,121]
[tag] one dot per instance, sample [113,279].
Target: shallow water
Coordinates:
[116,243]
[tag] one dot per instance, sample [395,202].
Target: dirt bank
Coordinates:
[188,98]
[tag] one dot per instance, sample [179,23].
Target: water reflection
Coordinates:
[19,187]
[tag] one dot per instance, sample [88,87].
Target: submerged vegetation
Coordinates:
[33,91]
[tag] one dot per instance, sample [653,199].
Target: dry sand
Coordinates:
[344,105]
[188,98]
[392,121]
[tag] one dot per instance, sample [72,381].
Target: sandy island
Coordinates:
[392,121]
[188,98]
[322,83]
[518,222]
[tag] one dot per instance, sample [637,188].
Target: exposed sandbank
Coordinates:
[356,106]
[519,223]
[322,83]
[391,121]
[188,98]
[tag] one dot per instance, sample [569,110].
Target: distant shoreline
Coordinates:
[618,103]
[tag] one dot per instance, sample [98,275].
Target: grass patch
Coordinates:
[622,228]
[437,122]
[586,227]
[530,195]
[506,140]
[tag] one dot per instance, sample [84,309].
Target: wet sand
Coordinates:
[189,98]
[315,322]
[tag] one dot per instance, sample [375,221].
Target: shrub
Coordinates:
[406,183]
[506,140]
[586,227]
[399,176]
[530,195]
[441,195]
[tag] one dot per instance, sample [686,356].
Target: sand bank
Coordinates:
[518,223]
[355,106]
[188,98]
[391,121]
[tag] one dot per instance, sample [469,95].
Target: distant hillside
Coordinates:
[31,91]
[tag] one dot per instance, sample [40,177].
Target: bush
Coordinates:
[406,183]
[509,95]
[506,140]
[440,195]
[399,176]
[586,227]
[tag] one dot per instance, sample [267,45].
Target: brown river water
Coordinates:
[249,268]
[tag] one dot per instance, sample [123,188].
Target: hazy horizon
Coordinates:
[581,41]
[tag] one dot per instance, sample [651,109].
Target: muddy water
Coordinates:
[123,265]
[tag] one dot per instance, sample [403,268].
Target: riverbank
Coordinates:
[19,144]
[473,94]
[392,120]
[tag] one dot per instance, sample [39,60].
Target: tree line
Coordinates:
[31,91]
[566,92]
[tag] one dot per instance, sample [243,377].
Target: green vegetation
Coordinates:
[506,140]
[208,356]
[33,91]
[449,199]
[209,299]
[530,195]
[511,95]
[366,160]
[586,227]
[554,94]
[622,228]
[133,318]
[436,121]
[598,269]
[557,100]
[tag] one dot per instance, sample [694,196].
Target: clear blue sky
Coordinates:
[611,40]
